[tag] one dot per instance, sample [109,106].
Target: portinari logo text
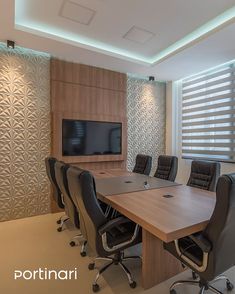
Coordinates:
[46,274]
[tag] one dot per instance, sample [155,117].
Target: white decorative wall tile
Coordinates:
[24,132]
[146,113]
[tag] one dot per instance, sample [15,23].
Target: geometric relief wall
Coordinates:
[146,114]
[24,132]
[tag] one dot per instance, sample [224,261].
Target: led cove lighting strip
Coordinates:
[91,44]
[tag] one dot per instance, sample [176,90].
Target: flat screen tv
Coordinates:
[81,137]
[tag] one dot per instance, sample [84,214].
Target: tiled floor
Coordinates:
[34,243]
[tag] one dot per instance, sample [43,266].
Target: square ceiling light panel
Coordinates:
[138,35]
[76,12]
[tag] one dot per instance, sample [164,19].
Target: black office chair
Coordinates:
[211,252]
[204,175]
[70,208]
[56,192]
[143,164]
[105,237]
[167,167]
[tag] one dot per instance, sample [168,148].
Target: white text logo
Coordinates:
[46,274]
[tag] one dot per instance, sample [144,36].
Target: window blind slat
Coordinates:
[210,130]
[209,84]
[212,152]
[203,78]
[210,106]
[211,158]
[210,99]
[209,137]
[193,144]
[210,92]
[212,114]
[208,122]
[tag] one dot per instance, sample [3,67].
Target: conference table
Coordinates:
[165,211]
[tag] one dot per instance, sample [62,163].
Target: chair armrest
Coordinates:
[201,242]
[112,224]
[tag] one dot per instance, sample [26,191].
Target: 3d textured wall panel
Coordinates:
[24,133]
[146,113]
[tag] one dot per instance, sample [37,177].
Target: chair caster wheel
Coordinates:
[173,291]
[72,244]
[133,285]
[194,275]
[95,288]
[59,221]
[59,229]
[91,266]
[229,286]
[83,253]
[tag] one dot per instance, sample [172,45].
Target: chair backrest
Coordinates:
[61,179]
[167,168]
[204,175]
[50,169]
[143,164]
[220,230]
[82,189]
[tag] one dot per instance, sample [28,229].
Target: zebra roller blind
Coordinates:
[208,115]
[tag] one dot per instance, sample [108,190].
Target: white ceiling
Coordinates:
[153,25]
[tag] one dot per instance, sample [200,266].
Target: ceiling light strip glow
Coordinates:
[213,24]
[81,42]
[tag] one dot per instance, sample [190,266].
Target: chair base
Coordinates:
[83,249]
[118,259]
[62,222]
[204,286]
[76,240]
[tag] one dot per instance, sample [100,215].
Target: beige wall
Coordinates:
[146,115]
[24,133]
[173,131]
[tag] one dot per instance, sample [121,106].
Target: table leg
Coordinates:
[158,265]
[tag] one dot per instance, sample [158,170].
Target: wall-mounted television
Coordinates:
[82,137]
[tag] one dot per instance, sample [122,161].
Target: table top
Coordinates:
[132,182]
[109,173]
[166,217]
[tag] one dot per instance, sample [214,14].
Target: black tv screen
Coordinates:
[80,137]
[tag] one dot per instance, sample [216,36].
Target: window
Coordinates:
[208,115]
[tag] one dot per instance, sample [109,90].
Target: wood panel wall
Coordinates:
[89,93]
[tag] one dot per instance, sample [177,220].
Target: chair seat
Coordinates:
[187,248]
[120,234]
[191,250]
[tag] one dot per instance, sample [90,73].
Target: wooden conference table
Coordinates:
[166,211]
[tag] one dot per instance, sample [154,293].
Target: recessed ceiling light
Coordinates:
[76,12]
[138,35]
